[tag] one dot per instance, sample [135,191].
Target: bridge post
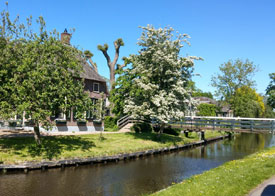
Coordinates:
[272,125]
[202,135]
[232,124]
[186,133]
[214,122]
[251,125]
[229,135]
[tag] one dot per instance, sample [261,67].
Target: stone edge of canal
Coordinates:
[44,165]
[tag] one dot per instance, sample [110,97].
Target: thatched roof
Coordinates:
[89,73]
[205,100]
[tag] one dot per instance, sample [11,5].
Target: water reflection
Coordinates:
[132,177]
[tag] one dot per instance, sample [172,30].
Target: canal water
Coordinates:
[135,177]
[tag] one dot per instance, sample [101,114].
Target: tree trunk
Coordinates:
[37,134]
[161,130]
[112,78]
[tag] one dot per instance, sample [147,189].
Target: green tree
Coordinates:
[39,75]
[248,103]
[233,75]
[161,74]
[196,92]
[269,113]
[124,87]
[200,93]
[99,112]
[270,91]
[205,109]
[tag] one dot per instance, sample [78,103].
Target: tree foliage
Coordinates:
[248,103]
[196,92]
[205,109]
[161,75]
[124,88]
[200,93]
[270,91]
[39,75]
[233,75]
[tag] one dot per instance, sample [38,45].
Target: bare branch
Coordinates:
[104,49]
[93,64]
[119,42]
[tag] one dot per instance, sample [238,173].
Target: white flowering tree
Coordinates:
[162,76]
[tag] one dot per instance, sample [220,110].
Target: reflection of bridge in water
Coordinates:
[232,124]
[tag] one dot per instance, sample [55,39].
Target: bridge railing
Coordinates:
[210,122]
[259,124]
[129,119]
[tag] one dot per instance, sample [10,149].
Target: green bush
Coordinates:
[12,123]
[110,122]
[168,130]
[205,109]
[142,128]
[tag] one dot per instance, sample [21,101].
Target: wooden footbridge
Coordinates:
[230,124]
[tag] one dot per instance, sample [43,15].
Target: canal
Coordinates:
[135,177]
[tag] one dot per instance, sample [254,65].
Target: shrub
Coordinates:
[168,130]
[142,128]
[12,123]
[110,122]
[205,109]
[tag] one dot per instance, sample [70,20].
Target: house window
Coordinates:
[89,114]
[68,114]
[96,87]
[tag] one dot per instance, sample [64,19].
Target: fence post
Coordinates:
[272,125]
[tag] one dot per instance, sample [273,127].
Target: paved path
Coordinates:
[126,128]
[267,188]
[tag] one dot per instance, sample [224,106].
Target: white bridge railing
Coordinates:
[227,123]
[211,122]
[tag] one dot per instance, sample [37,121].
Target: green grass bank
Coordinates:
[236,177]
[22,149]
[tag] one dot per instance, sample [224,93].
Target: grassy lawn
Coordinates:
[236,178]
[20,149]
[110,130]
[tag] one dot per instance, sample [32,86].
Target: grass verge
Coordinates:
[236,178]
[110,129]
[22,149]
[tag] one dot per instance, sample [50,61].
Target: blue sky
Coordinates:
[220,29]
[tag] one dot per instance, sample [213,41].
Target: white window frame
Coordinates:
[94,87]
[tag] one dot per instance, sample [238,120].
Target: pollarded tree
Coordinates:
[88,56]
[112,64]
[39,74]
[233,75]
[161,75]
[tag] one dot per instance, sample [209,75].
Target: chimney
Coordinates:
[66,37]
